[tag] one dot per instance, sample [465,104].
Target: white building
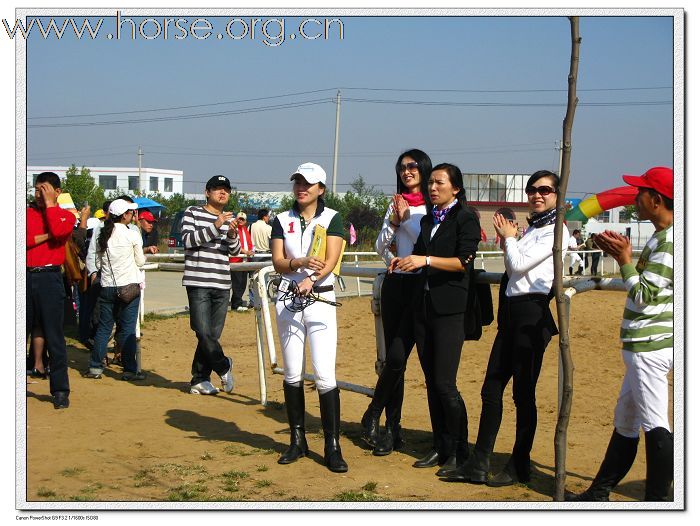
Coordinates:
[122,180]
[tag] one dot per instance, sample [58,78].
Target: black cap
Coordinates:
[218,180]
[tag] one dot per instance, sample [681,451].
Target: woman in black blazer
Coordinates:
[444,254]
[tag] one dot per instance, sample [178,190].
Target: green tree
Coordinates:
[82,188]
[629,213]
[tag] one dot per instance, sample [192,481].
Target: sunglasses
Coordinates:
[544,191]
[411,167]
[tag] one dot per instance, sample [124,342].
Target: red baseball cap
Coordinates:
[147,216]
[658,178]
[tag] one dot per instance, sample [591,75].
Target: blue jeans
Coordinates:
[208,308]
[113,309]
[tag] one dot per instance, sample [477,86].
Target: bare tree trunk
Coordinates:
[563,300]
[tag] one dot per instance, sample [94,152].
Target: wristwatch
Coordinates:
[313,278]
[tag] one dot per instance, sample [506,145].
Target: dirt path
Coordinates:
[155,442]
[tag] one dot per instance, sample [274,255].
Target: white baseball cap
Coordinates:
[119,206]
[92,222]
[312,172]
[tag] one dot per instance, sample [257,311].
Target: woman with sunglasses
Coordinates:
[401,227]
[444,255]
[525,327]
[119,256]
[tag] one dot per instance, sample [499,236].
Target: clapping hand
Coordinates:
[505,227]
[401,209]
[224,217]
[617,245]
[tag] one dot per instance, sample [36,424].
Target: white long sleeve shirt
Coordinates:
[529,261]
[125,249]
[406,235]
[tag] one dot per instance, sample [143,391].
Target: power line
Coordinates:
[171,108]
[186,117]
[505,104]
[355,88]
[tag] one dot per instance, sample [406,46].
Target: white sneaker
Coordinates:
[203,388]
[241,309]
[227,378]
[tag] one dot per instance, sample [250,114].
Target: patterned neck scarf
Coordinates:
[543,218]
[440,215]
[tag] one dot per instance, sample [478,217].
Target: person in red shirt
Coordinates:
[48,229]
[239,279]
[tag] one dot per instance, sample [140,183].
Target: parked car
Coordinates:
[175,237]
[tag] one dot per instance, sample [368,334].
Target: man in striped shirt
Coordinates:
[647,346]
[209,242]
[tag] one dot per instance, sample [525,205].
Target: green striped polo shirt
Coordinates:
[647,323]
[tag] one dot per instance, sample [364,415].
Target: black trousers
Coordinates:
[439,339]
[525,327]
[239,281]
[595,259]
[46,295]
[398,291]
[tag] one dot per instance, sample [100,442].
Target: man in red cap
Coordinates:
[647,346]
[149,233]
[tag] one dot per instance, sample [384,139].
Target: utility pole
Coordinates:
[561,154]
[140,160]
[337,133]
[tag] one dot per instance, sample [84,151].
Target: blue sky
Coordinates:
[258,150]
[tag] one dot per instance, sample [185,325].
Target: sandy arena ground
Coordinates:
[153,441]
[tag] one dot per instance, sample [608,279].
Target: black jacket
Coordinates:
[458,236]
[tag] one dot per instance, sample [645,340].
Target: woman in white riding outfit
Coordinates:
[292,233]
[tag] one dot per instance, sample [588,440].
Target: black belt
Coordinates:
[323,288]
[47,268]
[528,297]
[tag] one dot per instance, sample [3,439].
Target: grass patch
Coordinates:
[275,405]
[370,486]
[72,472]
[366,494]
[144,478]
[154,316]
[206,456]
[181,469]
[263,483]
[238,451]
[357,496]
[235,475]
[185,492]
[45,493]
[262,468]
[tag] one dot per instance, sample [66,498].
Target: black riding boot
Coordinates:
[294,400]
[330,420]
[456,419]
[617,462]
[659,448]
[391,440]
[370,425]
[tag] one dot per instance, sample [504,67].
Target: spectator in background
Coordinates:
[595,256]
[119,254]
[239,279]
[149,232]
[48,229]
[261,232]
[575,243]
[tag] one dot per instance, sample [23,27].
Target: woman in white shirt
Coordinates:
[401,227]
[119,256]
[525,327]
